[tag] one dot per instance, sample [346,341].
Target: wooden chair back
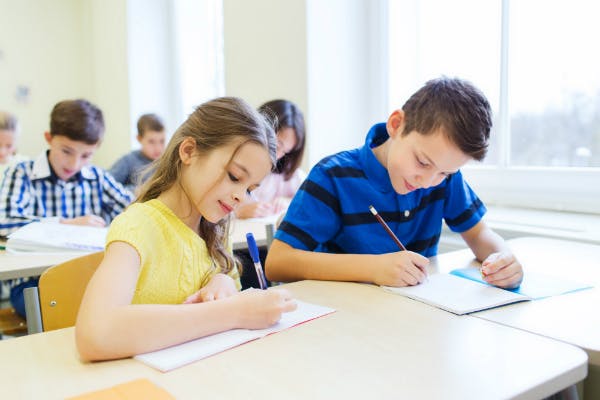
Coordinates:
[61,289]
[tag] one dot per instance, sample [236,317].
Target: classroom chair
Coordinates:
[11,323]
[55,302]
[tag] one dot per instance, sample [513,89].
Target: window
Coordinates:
[535,62]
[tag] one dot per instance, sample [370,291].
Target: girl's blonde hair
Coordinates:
[214,124]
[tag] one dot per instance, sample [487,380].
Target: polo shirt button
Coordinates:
[406,213]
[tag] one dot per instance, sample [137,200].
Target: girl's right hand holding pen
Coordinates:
[258,309]
[402,268]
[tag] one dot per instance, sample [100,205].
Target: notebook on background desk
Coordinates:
[48,237]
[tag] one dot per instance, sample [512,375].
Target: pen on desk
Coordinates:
[392,234]
[253,249]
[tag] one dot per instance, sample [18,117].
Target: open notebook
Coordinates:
[176,356]
[463,291]
[53,237]
[458,295]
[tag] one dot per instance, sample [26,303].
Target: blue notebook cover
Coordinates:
[535,285]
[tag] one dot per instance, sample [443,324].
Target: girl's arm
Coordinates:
[109,326]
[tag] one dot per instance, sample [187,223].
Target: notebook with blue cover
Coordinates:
[535,285]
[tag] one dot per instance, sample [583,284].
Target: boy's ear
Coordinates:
[187,148]
[395,123]
[48,137]
[139,138]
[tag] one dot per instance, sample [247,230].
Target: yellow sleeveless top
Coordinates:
[174,260]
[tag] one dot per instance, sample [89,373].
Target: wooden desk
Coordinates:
[573,318]
[377,345]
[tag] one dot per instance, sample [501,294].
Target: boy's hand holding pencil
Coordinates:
[402,269]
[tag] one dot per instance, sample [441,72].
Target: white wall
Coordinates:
[121,55]
[320,54]
[345,90]
[41,48]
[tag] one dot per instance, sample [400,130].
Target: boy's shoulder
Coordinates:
[346,158]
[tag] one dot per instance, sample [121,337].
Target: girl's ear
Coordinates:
[187,150]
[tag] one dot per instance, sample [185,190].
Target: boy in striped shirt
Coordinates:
[60,186]
[409,170]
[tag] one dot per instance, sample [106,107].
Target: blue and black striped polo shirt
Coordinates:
[330,212]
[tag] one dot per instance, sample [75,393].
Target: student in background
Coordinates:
[168,274]
[151,136]
[60,185]
[277,189]
[8,142]
[408,170]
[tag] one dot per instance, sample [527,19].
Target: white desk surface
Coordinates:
[377,345]
[574,317]
[23,265]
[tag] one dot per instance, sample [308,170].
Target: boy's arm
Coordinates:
[285,263]
[120,170]
[16,201]
[499,266]
[115,197]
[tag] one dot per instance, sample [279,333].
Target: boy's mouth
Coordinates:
[408,186]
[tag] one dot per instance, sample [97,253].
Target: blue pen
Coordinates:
[256,260]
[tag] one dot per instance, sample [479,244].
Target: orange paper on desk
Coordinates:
[137,389]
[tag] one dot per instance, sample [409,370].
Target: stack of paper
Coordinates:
[186,353]
[51,237]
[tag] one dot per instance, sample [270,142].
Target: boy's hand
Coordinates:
[89,220]
[219,287]
[404,268]
[502,270]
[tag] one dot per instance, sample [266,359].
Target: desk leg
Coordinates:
[32,310]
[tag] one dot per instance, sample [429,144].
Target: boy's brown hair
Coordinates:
[149,122]
[456,107]
[78,120]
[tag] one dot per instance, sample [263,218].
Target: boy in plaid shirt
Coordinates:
[59,186]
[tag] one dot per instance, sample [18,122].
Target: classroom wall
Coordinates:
[64,49]
[320,55]
[43,51]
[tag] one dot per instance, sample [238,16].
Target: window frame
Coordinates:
[552,188]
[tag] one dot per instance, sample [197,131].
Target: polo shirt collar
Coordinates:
[42,170]
[377,174]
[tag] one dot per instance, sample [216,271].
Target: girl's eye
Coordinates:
[421,163]
[233,177]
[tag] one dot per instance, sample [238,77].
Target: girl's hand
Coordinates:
[403,268]
[280,204]
[219,287]
[89,220]
[258,309]
[502,270]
